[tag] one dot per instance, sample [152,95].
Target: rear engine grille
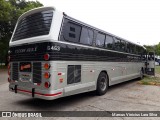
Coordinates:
[14,71]
[37,69]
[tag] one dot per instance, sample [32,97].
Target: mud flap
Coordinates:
[15,88]
[33,91]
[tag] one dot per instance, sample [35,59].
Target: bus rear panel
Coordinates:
[30,69]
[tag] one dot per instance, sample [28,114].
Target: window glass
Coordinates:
[123,46]
[117,45]
[71,32]
[131,48]
[140,50]
[128,48]
[137,50]
[86,36]
[134,48]
[109,42]
[33,25]
[100,40]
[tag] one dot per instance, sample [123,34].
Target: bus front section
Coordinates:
[30,69]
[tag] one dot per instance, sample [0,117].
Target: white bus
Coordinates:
[53,55]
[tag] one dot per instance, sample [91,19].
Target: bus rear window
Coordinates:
[36,24]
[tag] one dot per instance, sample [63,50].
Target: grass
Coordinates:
[151,80]
[157,69]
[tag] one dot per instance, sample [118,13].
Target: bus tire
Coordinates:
[102,84]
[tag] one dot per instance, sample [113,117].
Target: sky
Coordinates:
[135,20]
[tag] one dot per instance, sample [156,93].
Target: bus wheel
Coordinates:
[141,74]
[102,84]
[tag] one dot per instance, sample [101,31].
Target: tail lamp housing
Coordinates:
[46,66]
[46,56]
[9,80]
[9,58]
[47,84]
[47,75]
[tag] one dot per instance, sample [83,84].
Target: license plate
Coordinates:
[25,77]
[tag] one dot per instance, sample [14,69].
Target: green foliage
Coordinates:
[157,49]
[153,48]
[10,10]
[157,69]
[149,48]
[148,80]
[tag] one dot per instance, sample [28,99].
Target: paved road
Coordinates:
[128,96]
[3,76]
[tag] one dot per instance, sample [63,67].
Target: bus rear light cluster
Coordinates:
[9,80]
[46,57]
[9,58]
[47,84]
[9,66]
[47,75]
[9,73]
[46,66]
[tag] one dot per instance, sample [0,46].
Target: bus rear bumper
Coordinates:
[37,93]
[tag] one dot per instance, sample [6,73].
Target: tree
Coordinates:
[155,48]
[10,10]
[149,48]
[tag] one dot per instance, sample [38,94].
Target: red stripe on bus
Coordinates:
[40,93]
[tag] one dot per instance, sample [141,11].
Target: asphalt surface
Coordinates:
[128,96]
[3,76]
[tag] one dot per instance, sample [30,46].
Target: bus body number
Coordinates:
[55,48]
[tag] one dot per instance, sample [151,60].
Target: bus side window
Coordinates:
[117,44]
[71,32]
[86,36]
[100,40]
[109,42]
[134,49]
[139,50]
[123,46]
[130,48]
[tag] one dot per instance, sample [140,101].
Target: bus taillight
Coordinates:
[46,57]
[46,66]
[9,58]
[9,69]
[9,66]
[46,75]
[9,72]
[47,84]
[9,80]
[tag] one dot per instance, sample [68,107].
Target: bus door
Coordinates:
[150,64]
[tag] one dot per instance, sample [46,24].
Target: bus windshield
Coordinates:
[33,25]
